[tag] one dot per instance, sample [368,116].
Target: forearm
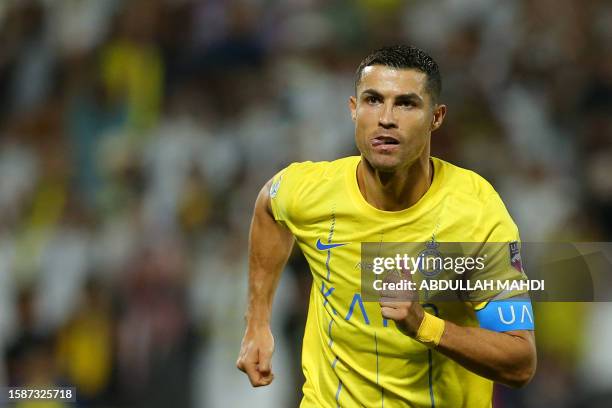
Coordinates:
[264,274]
[269,248]
[508,358]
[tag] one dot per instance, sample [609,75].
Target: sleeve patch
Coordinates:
[515,256]
[275,186]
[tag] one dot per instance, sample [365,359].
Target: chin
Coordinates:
[385,164]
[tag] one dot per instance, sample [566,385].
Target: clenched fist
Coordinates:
[407,315]
[255,357]
[402,306]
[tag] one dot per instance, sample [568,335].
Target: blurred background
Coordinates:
[135,135]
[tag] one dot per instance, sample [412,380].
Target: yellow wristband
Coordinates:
[431,330]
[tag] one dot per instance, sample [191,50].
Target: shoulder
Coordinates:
[473,198]
[464,182]
[304,185]
[308,176]
[319,170]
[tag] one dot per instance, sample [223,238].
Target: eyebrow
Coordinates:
[401,97]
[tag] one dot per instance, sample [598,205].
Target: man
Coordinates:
[392,353]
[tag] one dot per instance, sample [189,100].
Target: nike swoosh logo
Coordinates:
[324,247]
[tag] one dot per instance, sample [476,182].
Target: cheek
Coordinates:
[362,121]
[417,122]
[367,114]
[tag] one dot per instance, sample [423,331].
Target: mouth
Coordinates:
[384,140]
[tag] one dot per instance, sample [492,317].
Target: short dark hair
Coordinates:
[405,57]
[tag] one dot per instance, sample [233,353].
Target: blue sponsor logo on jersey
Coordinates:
[324,247]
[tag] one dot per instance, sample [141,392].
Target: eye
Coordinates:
[408,103]
[371,99]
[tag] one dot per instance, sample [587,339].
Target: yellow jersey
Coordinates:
[351,356]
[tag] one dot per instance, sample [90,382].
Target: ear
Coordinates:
[438,116]
[352,104]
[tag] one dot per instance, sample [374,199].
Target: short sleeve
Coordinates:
[282,193]
[494,222]
[506,305]
[500,245]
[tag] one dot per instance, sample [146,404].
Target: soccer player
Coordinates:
[392,353]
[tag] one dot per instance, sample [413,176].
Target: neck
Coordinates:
[395,191]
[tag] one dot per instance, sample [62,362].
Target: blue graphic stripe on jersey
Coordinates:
[323,247]
[431,393]
[327,264]
[430,358]
[382,390]
[506,315]
[326,294]
[338,394]
[376,350]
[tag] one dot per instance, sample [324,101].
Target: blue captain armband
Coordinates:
[506,315]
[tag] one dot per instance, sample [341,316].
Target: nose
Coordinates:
[387,119]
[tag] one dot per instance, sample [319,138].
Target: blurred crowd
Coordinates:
[135,135]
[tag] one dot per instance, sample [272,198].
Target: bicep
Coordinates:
[269,241]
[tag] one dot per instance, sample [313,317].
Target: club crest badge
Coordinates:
[427,265]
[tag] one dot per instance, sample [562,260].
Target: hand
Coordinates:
[401,306]
[407,315]
[255,357]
